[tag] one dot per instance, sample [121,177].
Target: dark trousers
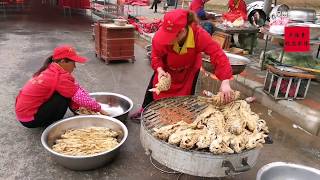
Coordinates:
[155,5]
[49,112]
[148,97]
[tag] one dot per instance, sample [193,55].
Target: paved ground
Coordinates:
[26,40]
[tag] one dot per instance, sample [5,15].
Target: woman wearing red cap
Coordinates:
[176,50]
[46,97]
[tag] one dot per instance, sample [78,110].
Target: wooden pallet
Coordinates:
[223,39]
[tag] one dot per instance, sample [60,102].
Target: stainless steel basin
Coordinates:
[238,63]
[117,105]
[302,15]
[55,131]
[287,171]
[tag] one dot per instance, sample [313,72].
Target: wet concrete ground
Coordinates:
[26,40]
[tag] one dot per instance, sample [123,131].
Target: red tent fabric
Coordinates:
[76,4]
[137,2]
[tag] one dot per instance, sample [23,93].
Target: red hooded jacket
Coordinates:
[39,89]
[183,68]
[197,5]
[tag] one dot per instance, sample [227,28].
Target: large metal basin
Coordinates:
[193,162]
[238,63]
[302,15]
[117,105]
[55,131]
[197,163]
[287,171]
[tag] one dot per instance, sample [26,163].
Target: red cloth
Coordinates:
[236,10]
[137,2]
[145,25]
[232,16]
[76,4]
[39,89]
[188,64]
[197,5]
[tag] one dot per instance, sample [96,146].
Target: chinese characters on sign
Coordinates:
[296,39]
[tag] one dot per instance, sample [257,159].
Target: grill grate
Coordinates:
[151,117]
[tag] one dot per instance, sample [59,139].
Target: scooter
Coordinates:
[263,8]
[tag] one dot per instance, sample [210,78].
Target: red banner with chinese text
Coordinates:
[296,39]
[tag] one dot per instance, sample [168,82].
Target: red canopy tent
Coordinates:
[75,4]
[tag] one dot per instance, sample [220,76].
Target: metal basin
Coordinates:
[302,15]
[117,105]
[238,63]
[54,131]
[287,171]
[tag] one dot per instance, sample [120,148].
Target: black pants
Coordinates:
[148,97]
[155,5]
[49,112]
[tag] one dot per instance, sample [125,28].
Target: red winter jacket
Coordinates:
[39,89]
[183,68]
[197,5]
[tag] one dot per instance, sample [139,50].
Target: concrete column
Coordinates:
[267,7]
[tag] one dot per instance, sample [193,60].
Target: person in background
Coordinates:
[46,97]
[197,6]
[238,6]
[176,52]
[257,20]
[155,5]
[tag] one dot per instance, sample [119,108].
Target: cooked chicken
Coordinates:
[177,136]
[163,84]
[255,140]
[216,121]
[205,139]
[216,100]
[230,128]
[237,143]
[239,116]
[190,139]
[215,146]
[262,126]
[165,131]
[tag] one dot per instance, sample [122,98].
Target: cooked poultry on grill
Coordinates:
[229,128]
[190,139]
[165,131]
[205,139]
[238,116]
[216,100]
[176,137]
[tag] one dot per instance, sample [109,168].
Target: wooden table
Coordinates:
[235,31]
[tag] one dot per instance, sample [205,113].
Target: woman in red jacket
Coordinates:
[176,50]
[239,7]
[46,97]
